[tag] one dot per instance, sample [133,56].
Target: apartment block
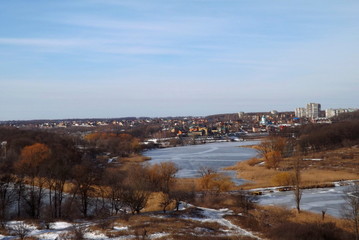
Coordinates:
[313,110]
[300,112]
[329,113]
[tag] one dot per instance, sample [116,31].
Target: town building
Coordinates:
[329,113]
[313,110]
[300,112]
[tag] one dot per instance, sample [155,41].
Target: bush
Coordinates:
[254,161]
[308,231]
[76,233]
[20,230]
[283,179]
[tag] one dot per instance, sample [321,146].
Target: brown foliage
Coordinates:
[272,149]
[162,176]
[32,158]
[122,144]
[212,181]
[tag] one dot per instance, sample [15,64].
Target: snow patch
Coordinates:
[95,235]
[120,228]
[313,159]
[60,225]
[213,215]
[158,235]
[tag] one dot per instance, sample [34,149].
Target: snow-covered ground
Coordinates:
[59,230]
[212,215]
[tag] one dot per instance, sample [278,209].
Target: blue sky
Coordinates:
[117,58]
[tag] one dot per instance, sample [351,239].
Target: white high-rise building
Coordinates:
[313,110]
[329,113]
[300,112]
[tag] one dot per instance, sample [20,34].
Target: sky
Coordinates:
[121,58]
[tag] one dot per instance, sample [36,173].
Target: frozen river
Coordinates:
[316,200]
[191,158]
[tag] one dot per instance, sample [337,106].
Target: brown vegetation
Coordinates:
[334,165]
[272,150]
[280,223]
[50,161]
[213,182]
[120,144]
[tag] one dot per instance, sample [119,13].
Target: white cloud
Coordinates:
[41,42]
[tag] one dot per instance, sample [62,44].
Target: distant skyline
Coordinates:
[119,58]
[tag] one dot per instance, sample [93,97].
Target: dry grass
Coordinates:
[281,223]
[154,201]
[339,164]
[187,184]
[135,158]
[259,176]
[283,214]
[128,162]
[178,225]
[310,217]
[170,225]
[318,176]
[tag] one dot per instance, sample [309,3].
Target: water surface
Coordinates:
[191,158]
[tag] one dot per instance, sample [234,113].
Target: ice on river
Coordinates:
[219,155]
[317,200]
[191,158]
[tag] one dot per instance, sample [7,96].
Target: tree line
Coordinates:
[47,175]
[328,136]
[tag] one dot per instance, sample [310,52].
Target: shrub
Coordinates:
[76,233]
[20,230]
[253,161]
[283,179]
[308,231]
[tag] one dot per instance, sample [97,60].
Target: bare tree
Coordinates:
[136,188]
[245,201]
[182,195]
[84,179]
[7,194]
[113,180]
[57,173]
[213,182]
[350,210]
[20,230]
[161,176]
[297,182]
[165,201]
[136,199]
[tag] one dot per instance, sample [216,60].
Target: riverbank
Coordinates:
[125,163]
[319,169]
